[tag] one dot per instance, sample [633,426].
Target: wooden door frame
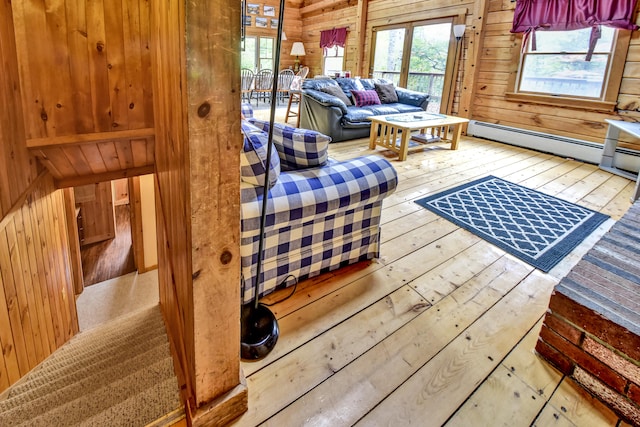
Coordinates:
[452,59]
[135,215]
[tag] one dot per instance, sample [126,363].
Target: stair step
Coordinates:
[49,382]
[74,412]
[82,358]
[121,372]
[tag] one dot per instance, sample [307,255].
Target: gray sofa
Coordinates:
[329,115]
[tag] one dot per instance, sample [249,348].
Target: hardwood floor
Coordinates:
[441,329]
[111,258]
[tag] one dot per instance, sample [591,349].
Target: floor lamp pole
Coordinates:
[259,329]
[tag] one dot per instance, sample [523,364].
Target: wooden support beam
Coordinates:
[360,36]
[93,138]
[321,5]
[473,36]
[107,176]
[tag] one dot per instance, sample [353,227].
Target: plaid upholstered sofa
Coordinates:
[321,213]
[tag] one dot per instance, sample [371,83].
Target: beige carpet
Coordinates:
[116,374]
[108,300]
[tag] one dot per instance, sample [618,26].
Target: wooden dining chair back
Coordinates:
[246,83]
[285,78]
[262,84]
[303,72]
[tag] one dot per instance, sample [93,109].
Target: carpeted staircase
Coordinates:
[118,374]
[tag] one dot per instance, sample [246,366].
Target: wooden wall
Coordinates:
[37,304]
[360,16]
[84,65]
[292,27]
[85,75]
[490,104]
[486,60]
[197,107]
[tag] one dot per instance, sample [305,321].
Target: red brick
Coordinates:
[553,356]
[607,331]
[624,367]
[564,329]
[585,360]
[634,393]
[616,401]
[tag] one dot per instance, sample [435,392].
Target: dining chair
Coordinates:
[285,77]
[262,84]
[295,97]
[246,83]
[303,72]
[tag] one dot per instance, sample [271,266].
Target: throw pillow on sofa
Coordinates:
[386,93]
[253,157]
[338,93]
[363,98]
[298,148]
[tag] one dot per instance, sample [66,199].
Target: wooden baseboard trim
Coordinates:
[224,409]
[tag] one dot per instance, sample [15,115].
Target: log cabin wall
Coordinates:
[496,63]
[37,304]
[292,27]
[361,16]
[197,106]
[485,62]
[85,77]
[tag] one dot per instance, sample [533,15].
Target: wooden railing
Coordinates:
[431,83]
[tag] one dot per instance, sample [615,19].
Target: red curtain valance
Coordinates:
[565,15]
[334,37]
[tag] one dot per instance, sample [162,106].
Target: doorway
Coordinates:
[106,240]
[417,56]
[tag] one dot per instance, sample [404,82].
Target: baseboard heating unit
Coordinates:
[585,151]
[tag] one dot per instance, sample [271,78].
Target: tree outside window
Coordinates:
[557,72]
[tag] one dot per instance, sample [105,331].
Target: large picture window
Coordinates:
[558,65]
[557,71]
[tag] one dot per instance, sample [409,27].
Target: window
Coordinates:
[419,56]
[257,54]
[557,72]
[333,60]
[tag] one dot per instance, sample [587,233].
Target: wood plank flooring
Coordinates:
[111,258]
[441,329]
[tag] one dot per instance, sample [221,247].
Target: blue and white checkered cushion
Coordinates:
[297,148]
[246,110]
[253,157]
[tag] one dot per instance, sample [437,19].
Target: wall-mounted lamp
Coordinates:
[297,50]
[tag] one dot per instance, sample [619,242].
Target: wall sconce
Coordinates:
[297,50]
[458,31]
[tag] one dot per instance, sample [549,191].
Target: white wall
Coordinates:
[148,202]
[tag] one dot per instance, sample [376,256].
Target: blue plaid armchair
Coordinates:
[321,213]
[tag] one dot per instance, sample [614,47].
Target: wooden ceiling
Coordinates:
[84,159]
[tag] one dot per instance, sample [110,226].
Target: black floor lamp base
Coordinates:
[258,332]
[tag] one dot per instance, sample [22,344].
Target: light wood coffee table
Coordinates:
[393,131]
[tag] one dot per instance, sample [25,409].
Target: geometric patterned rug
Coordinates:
[535,227]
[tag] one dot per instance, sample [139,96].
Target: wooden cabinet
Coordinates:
[97,219]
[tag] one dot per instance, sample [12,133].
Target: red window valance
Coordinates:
[334,37]
[565,15]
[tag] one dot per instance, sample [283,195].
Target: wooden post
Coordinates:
[197,116]
[361,33]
